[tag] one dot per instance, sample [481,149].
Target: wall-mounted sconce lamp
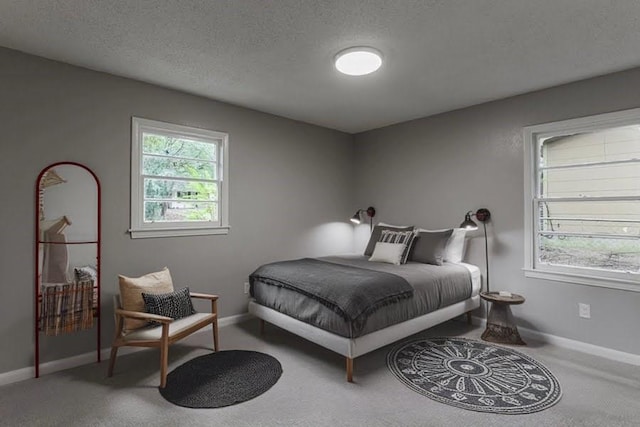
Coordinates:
[483,215]
[357,217]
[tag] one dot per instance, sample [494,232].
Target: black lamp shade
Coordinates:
[356,217]
[468,223]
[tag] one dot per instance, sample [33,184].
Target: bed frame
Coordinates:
[355,347]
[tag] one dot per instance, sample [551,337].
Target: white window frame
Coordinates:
[140,229]
[585,276]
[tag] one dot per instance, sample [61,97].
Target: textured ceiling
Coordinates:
[276,56]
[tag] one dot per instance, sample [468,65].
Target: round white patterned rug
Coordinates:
[474,375]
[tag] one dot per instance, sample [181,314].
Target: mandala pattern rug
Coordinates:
[474,375]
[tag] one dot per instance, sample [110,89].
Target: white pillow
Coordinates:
[390,253]
[454,251]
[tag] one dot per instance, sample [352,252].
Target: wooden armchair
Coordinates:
[161,336]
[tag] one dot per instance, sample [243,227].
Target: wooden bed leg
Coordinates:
[349,369]
[469,322]
[262,327]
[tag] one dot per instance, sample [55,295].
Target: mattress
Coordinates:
[434,287]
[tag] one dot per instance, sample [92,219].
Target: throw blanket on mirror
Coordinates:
[350,291]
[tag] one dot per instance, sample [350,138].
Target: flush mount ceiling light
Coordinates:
[358,61]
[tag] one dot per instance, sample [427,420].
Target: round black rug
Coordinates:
[221,379]
[473,375]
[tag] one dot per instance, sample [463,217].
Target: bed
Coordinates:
[437,293]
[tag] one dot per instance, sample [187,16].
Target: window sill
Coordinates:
[176,232]
[601,282]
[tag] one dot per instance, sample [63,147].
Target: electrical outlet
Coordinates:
[246,287]
[584,310]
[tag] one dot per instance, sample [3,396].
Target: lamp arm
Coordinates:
[486,252]
[371,212]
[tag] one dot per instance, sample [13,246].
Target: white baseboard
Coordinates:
[15,376]
[595,350]
[86,358]
[232,320]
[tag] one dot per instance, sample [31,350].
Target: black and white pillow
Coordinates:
[377,233]
[175,304]
[404,238]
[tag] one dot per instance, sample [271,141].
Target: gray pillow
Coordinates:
[377,232]
[429,246]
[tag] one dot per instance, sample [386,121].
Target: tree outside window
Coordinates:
[178,176]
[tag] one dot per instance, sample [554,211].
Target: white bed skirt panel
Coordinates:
[353,348]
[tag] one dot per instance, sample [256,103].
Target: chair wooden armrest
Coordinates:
[212,298]
[204,296]
[143,316]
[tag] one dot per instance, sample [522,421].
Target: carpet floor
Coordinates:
[312,390]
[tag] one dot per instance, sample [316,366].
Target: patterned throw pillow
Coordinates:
[402,237]
[175,304]
[377,233]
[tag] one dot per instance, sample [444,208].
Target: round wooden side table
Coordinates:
[501,326]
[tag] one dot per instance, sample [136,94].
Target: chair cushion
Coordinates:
[131,289]
[175,327]
[174,304]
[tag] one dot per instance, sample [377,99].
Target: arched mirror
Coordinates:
[67,287]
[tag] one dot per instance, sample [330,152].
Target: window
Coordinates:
[582,200]
[179,180]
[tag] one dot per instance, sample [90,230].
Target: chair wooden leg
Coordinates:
[164,355]
[469,322]
[114,345]
[349,369]
[214,325]
[112,360]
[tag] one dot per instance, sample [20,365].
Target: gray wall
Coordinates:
[287,190]
[429,172]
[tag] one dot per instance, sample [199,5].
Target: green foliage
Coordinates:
[185,162]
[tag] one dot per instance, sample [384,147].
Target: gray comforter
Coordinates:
[434,287]
[348,290]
